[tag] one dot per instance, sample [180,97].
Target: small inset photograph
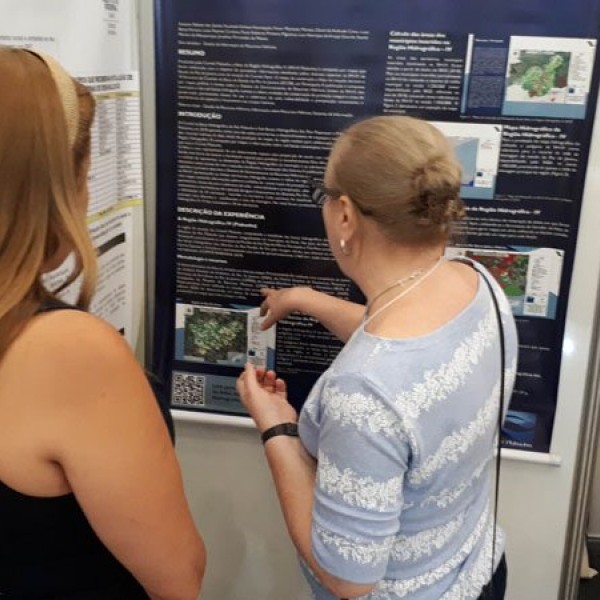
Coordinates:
[215,336]
[509,270]
[227,336]
[477,148]
[530,277]
[535,74]
[548,77]
[519,430]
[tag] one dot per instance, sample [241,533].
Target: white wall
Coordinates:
[231,495]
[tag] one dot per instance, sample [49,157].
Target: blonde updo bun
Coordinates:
[436,187]
[403,173]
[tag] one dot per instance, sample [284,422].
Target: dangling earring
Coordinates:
[344,248]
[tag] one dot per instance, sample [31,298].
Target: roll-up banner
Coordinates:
[251,95]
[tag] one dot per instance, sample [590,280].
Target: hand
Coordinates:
[278,304]
[269,381]
[265,397]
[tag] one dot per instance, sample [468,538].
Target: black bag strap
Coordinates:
[488,591]
[500,411]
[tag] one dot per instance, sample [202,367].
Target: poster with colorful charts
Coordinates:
[477,148]
[530,277]
[548,77]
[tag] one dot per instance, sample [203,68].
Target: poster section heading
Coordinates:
[251,112]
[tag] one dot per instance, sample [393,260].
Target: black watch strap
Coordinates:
[281,429]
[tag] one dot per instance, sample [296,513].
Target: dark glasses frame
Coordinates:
[319,192]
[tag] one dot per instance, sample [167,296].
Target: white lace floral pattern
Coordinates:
[470,583]
[311,407]
[363,553]
[510,374]
[363,492]
[456,444]
[380,346]
[438,384]
[450,495]
[361,411]
[411,548]
[392,589]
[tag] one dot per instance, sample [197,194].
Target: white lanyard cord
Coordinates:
[410,288]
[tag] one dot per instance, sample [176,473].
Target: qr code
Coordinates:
[188,390]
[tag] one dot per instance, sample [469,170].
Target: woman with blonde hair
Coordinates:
[91,496]
[386,491]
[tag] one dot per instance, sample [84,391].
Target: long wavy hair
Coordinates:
[42,185]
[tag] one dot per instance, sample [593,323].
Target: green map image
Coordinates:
[509,270]
[538,72]
[214,336]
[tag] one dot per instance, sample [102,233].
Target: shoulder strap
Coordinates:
[500,409]
[54,304]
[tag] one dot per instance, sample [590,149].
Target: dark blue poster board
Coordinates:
[250,95]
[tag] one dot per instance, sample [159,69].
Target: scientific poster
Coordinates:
[94,41]
[251,95]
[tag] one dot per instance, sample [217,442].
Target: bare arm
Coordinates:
[109,438]
[341,317]
[293,472]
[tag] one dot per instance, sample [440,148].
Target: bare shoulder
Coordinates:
[463,274]
[452,291]
[432,304]
[70,377]
[73,343]
[74,331]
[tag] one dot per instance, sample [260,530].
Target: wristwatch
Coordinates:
[281,429]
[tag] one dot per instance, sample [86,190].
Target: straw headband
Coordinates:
[66,91]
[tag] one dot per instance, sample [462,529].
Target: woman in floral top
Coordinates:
[386,492]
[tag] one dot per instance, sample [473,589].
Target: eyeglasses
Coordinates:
[319,193]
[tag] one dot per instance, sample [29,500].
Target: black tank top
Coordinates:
[48,550]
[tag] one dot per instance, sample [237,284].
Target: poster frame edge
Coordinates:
[206,418]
